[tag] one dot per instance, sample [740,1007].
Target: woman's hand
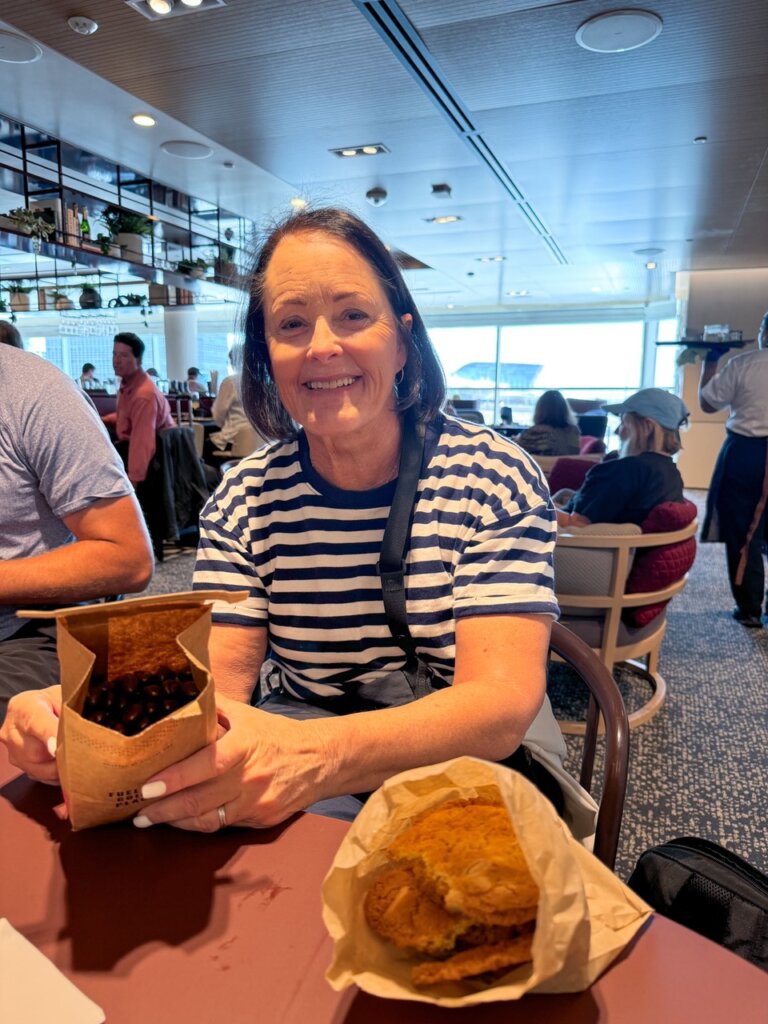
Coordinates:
[261,770]
[29,732]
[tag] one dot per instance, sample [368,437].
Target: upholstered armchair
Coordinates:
[614,582]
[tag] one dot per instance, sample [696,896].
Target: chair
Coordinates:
[589,445]
[604,702]
[175,488]
[566,470]
[613,583]
[245,441]
[470,415]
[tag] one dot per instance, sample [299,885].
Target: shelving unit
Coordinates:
[47,172]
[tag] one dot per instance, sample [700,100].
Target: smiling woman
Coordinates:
[339,370]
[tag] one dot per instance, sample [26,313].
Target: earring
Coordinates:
[399,377]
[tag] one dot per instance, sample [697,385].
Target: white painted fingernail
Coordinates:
[142,821]
[150,790]
[51,744]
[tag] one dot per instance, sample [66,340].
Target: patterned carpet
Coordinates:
[700,767]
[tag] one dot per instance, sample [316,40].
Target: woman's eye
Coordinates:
[291,324]
[354,315]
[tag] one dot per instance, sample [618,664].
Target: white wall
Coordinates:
[738,298]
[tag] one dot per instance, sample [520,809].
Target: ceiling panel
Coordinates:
[600,144]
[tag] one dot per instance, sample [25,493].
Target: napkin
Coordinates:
[33,991]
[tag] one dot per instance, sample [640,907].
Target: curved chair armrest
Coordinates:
[573,538]
[606,700]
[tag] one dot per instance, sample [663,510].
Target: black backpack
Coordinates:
[710,890]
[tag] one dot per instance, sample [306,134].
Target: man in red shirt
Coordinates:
[141,408]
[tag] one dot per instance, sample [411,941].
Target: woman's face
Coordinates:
[332,337]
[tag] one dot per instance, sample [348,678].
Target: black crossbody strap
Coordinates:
[393,547]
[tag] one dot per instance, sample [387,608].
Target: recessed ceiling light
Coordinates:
[15,49]
[651,265]
[144,120]
[160,6]
[490,259]
[652,250]
[185,150]
[618,31]
[191,3]
[298,203]
[449,306]
[447,218]
[370,149]
[700,140]
[519,294]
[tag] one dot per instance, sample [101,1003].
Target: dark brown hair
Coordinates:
[553,410]
[133,341]
[9,335]
[422,387]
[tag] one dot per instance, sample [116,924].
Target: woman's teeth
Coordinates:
[328,385]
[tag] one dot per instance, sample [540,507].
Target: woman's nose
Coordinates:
[323,344]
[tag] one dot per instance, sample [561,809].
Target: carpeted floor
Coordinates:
[700,767]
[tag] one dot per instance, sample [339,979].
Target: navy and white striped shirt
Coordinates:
[481,544]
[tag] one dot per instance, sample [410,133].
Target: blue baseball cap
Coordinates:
[653,403]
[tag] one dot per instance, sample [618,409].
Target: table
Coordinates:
[170,927]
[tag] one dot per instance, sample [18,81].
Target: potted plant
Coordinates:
[224,266]
[60,299]
[89,297]
[3,307]
[128,229]
[193,268]
[31,222]
[19,296]
[108,247]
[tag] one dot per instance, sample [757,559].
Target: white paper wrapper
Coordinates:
[586,914]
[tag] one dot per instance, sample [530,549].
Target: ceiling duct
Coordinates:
[402,38]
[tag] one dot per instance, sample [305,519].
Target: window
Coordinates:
[510,366]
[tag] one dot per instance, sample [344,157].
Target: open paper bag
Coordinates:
[586,915]
[102,771]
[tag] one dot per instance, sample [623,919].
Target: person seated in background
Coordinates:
[152,372]
[9,335]
[339,369]
[554,430]
[228,412]
[87,378]
[194,385]
[141,409]
[624,490]
[70,527]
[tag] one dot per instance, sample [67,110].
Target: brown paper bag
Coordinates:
[102,771]
[586,915]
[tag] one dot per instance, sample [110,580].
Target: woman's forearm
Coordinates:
[477,719]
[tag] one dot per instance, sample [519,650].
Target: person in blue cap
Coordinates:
[738,493]
[624,490]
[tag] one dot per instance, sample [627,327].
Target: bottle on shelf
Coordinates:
[85,227]
[73,226]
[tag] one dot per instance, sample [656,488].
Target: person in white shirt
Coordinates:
[738,494]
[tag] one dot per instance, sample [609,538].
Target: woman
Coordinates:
[554,430]
[625,490]
[337,366]
[227,410]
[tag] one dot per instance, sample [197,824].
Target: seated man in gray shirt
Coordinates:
[70,527]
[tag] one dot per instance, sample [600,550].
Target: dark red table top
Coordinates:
[160,926]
